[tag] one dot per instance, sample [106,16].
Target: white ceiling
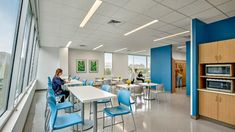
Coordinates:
[59,22]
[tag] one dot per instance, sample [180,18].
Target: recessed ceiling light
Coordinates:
[141,27]
[170,36]
[68,44]
[95,6]
[181,47]
[120,50]
[98,47]
[139,51]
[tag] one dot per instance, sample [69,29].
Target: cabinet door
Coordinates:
[208,53]
[226,109]
[226,51]
[208,104]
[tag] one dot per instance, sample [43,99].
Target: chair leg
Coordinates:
[111,103]
[90,112]
[112,125]
[81,127]
[103,121]
[133,120]
[122,122]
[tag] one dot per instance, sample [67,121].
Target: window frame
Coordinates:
[111,64]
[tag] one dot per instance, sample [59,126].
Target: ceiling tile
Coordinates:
[215,18]
[231,13]
[116,2]
[140,20]
[195,7]
[210,13]
[176,4]
[183,22]
[218,2]
[124,15]
[107,9]
[157,11]
[139,5]
[227,7]
[172,17]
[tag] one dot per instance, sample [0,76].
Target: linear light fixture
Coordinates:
[170,36]
[138,51]
[181,47]
[95,6]
[120,50]
[98,47]
[68,44]
[141,27]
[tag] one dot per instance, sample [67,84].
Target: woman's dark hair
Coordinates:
[58,71]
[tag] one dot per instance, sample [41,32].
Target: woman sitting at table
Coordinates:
[57,83]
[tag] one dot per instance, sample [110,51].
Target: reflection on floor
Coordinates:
[171,115]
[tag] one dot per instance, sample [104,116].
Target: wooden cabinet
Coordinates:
[226,51]
[226,108]
[217,106]
[208,104]
[208,53]
[217,52]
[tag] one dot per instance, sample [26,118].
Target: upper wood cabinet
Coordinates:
[226,51]
[208,52]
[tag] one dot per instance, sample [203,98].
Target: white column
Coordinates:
[64,60]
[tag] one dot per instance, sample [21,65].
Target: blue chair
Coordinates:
[84,81]
[91,83]
[76,78]
[123,109]
[59,122]
[106,88]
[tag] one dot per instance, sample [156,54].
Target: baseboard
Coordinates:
[217,122]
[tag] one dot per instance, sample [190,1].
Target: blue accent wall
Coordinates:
[188,68]
[161,66]
[203,33]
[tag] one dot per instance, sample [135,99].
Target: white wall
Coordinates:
[75,54]
[63,60]
[47,64]
[120,65]
[178,55]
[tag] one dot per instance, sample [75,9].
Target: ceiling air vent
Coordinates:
[82,45]
[114,22]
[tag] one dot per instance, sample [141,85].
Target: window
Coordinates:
[9,12]
[108,63]
[139,62]
[24,53]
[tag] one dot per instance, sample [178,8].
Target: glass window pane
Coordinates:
[23,52]
[130,62]
[9,12]
[107,63]
[140,63]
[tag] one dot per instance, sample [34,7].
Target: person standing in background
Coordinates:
[140,76]
[57,83]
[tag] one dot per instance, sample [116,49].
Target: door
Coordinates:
[208,104]
[226,51]
[226,109]
[208,53]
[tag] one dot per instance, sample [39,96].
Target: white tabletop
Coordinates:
[148,84]
[89,94]
[127,86]
[117,79]
[73,82]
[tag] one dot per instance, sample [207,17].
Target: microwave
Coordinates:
[219,70]
[219,85]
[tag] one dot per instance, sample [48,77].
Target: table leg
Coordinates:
[148,96]
[95,116]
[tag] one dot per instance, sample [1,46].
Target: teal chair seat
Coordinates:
[103,101]
[116,111]
[67,120]
[64,105]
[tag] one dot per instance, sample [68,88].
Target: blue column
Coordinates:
[188,68]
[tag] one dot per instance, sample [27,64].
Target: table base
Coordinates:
[88,124]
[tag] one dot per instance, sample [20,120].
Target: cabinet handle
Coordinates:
[220,99]
[216,99]
[220,57]
[216,57]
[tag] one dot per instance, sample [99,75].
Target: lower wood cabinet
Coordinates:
[217,106]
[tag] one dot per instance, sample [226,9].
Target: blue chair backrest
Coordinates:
[91,83]
[106,88]
[76,77]
[49,79]
[84,82]
[53,110]
[51,93]
[124,97]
